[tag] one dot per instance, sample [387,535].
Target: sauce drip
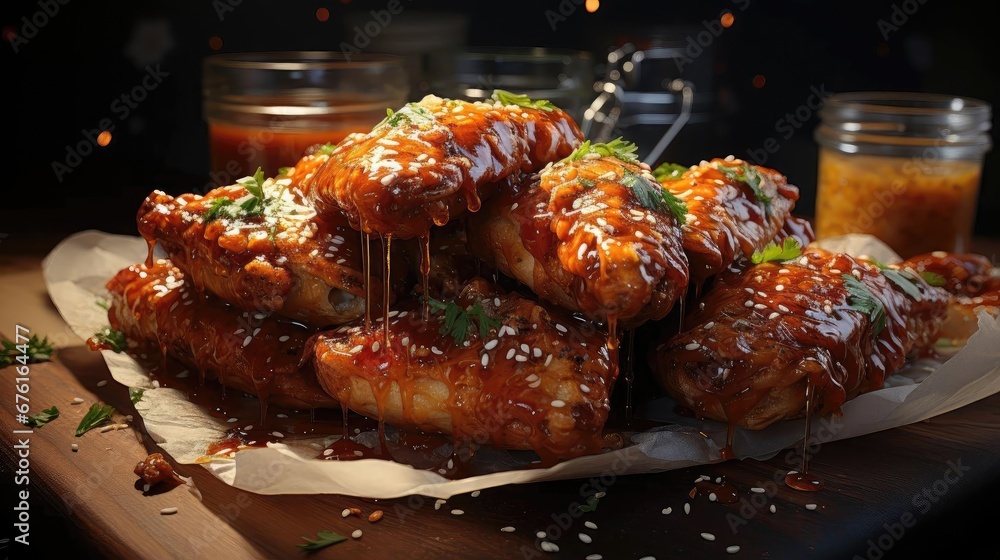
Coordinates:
[803,481]
[629,373]
[425,272]
[386,283]
[366,258]
[150,246]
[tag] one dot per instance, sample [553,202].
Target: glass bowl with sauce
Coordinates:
[904,167]
[265,109]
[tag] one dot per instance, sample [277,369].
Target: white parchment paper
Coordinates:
[77,269]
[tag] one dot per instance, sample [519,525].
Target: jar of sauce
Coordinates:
[264,109]
[904,167]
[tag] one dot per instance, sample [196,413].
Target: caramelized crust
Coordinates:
[764,331]
[432,160]
[579,236]
[287,261]
[540,381]
[247,351]
[727,220]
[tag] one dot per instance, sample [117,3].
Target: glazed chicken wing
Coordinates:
[433,159]
[280,257]
[973,283]
[734,208]
[512,375]
[249,352]
[764,332]
[593,234]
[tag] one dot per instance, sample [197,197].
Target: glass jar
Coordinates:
[904,167]
[564,77]
[264,109]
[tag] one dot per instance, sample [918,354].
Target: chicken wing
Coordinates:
[835,322]
[734,208]
[489,367]
[278,257]
[973,283]
[243,350]
[593,234]
[433,159]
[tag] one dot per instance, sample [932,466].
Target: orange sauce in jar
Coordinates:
[237,151]
[912,204]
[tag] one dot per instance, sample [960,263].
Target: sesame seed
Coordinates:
[760,306]
[783,271]
[648,558]
[709,324]
[687,508]
[457,512]
[540,534]
[774,315]
[667,511]
[748,303]
[486,360]
[810,507]
[584,388]
[761,294]
[585,538]
[168,511]
[590,524]
[388,179]
[439,502]
[520,358]
[712,497]
[708,537]
[558,403]
[510,353]
[549,547]
[692,346]
[548,360]
[277,434]
[405,341]
[491,344]
[356,349]
[102,383]
[536,352]
[757,490]
[828,309]
[357,534]
[283,338]
[773,509]
[600,495]
[782,308]
[748,290]
[733,549]
[507,529]
[74,447]
[834,271]
[247,340]
[77,400]
[561,328]
[594,557]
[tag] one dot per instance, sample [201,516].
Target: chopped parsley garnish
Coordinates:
[669,171]
[521,100]
[591,504]
[42,418]
[905,279]
[773,252]
[111,339]
[323,539]
[618,148]
[245,207]
[98,414]
[458,320]
[588,183]
[284,171]
[327,149]
[934,279]
[862,299]
[30,352]
[654,197]
[411,113]
[747,174]
[135,394]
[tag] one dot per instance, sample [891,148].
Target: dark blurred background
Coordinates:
[67,69]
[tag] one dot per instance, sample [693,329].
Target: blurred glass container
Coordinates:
[564,77]
[264,109]
[904,167]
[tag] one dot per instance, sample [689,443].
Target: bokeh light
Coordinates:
[215,43]
[104,138]
[322,14]
[592,5]
[727,19]
[758,81]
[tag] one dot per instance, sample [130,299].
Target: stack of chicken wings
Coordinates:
[468,268]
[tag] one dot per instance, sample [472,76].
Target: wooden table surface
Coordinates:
[910,492]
